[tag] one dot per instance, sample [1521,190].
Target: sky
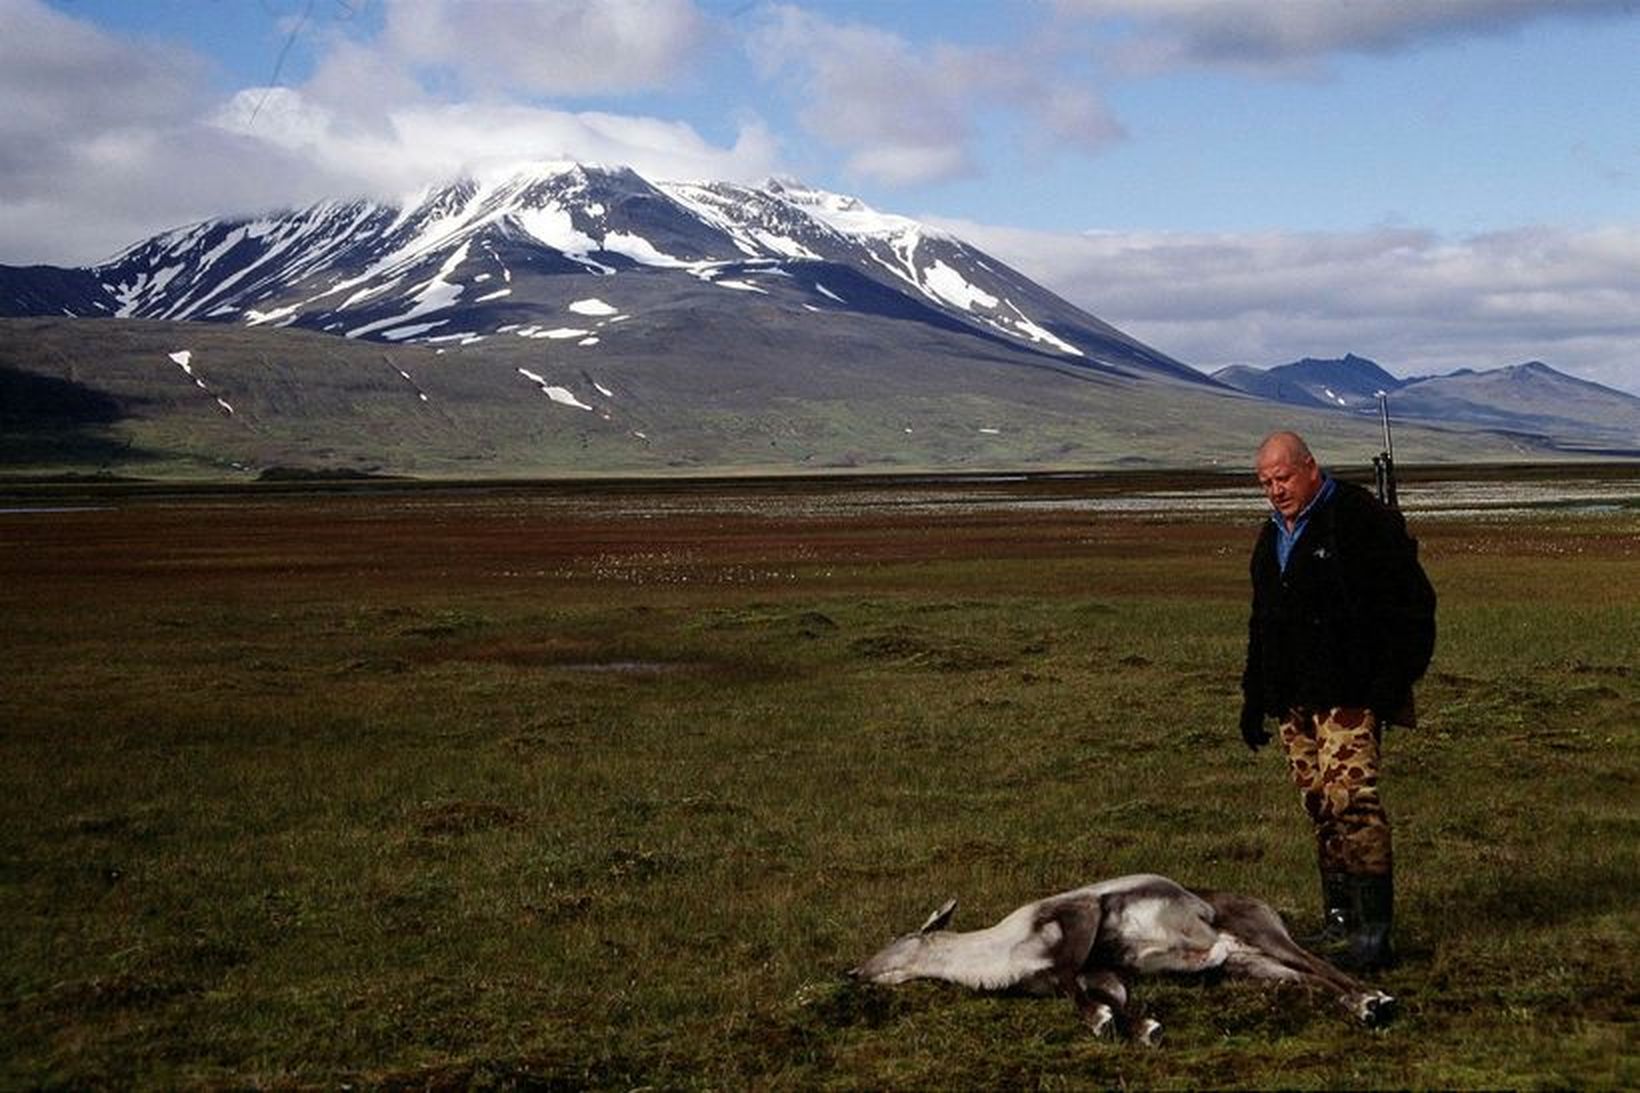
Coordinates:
[1433,184]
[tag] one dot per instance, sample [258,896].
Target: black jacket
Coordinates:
[1352,620]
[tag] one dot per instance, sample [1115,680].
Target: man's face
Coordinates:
[1289,481]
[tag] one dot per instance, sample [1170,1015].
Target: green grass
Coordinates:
[479,790]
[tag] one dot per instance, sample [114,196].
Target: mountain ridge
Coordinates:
[1531,398]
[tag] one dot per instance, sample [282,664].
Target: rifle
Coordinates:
[1383,464]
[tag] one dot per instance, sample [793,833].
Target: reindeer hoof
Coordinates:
[1101,1020]
[1149,1033]
[1379,1009]
[1375,1008]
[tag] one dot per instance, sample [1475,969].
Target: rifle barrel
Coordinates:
[1383,465]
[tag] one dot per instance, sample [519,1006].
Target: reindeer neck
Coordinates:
[989,959]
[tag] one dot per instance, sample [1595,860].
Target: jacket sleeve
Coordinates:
[1252,673]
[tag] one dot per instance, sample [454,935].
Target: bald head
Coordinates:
[1287,473]
[1284,445]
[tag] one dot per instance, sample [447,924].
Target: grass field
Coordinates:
[574,788]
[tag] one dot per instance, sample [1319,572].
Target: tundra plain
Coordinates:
[603,785]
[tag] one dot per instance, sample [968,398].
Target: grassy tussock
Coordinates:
[291,794]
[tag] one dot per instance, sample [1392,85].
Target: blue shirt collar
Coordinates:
[1286,539]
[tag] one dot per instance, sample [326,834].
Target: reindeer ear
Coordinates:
[941,918]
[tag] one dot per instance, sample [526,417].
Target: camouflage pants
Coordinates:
[1333,756]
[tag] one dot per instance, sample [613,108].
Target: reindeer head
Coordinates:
[901,959]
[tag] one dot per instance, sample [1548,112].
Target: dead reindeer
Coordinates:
[1083,944]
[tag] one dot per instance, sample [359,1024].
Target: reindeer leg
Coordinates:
[1108,991]
[1264,949]
[1099,994]
[1100,1008]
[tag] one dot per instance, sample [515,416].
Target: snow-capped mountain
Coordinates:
[567,252]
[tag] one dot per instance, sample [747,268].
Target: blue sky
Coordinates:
[1430,183]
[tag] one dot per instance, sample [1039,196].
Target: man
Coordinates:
[1343,624]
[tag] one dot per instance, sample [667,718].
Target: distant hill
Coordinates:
[207,400]
[1529,399]
[1350,383]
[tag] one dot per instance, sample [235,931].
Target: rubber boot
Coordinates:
[1338,919]
[1372,898]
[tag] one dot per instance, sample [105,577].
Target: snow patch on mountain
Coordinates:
[363,295]
[848,215]
[642,251]
[782,245]
[229,242]
[414,330]
[953,288]
[434,294]
[464,337]
[416,386]
[1021,325]
[183,358]
[130,296]
[562,395]
[278,316]
[554,227]
[565,397]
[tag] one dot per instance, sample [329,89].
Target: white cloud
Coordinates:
[1076,115]
[101,141]
[75,65]
[365,114]
[898,116]
[1411,300]
[904,114]
[1277,34]
[417,143]
[360,81]
[84,173]
[565,47]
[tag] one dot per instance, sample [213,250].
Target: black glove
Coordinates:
[1252,725]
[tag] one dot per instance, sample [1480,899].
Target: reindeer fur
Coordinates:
[1085,943]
